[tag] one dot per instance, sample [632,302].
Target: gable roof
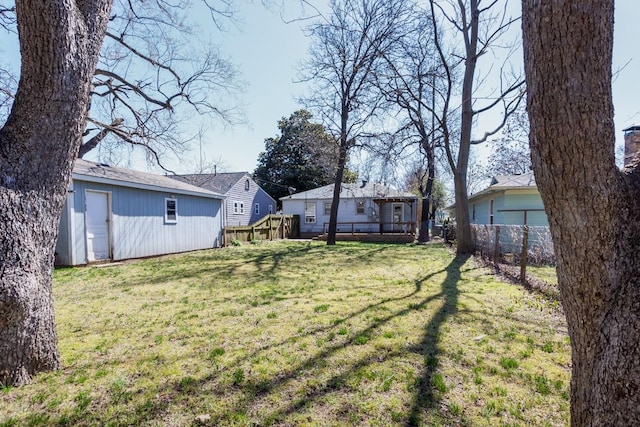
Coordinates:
[355,190]
[514,181]
[84,170]
[508,182]
[217,182]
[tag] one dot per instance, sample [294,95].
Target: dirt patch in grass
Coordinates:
[299,333]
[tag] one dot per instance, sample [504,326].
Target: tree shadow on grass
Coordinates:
[425,398]
[254,391]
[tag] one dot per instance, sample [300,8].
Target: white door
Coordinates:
[398,216]
[97,225]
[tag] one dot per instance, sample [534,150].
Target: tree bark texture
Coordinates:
[464,240]
[591,205]
[337,186]
[427,193]
[59,43]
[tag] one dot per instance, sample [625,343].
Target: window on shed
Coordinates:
[238,208]
[327,208]
[473,215]
[170,210]
[256,209]
[360,207]
[491,211]
[246,185]
[270,209]
[309,212]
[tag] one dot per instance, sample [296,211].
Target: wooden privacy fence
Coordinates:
[271,227]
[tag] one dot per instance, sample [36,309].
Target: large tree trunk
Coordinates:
[592,206]
[59,43]
[335,202]
[427,194]
[464,241]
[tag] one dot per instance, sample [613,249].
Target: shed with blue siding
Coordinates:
[509,200]
[114,214]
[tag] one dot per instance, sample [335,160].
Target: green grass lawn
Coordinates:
[299,333]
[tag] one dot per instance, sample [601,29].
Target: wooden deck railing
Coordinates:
[372,228]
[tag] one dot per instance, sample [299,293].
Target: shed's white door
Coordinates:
[97,225]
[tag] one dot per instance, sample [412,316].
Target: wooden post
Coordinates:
[524,254]
[496,247]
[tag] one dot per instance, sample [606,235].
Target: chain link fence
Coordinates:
[504,244]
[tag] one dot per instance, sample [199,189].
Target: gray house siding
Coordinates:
[137,227]
[376,200]
[248,197]
[241,195]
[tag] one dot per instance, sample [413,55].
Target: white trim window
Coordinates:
[256,209]
[238,208]
[327,208]
[170,210]
[270,209]
[491,212]
[359,207]
[309,212]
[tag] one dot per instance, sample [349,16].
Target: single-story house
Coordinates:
[113,213]
[245,201]
[363,208]
[508,200]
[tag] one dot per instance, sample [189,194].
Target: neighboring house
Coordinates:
[363,208]
[246,202]
[113,214]
[509,200]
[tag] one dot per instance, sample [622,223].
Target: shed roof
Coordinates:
[355,190]
[508,182]
[503,183]
[514,181]
[217,182]
[84,170]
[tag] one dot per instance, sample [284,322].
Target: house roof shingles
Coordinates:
[218,182]
[96,172]
[355,190]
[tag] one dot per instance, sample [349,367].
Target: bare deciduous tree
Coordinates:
[481,29]
[344,56]
[510,154]
[153,72]
[409,84]
[592,205]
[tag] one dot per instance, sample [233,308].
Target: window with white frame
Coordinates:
[170,210]
[360,207]
[309,212]
[256,209]
[246,185]
[238,208]
[491,211]
[270,209]
[327,208]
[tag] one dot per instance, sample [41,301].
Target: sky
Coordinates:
[267,51]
